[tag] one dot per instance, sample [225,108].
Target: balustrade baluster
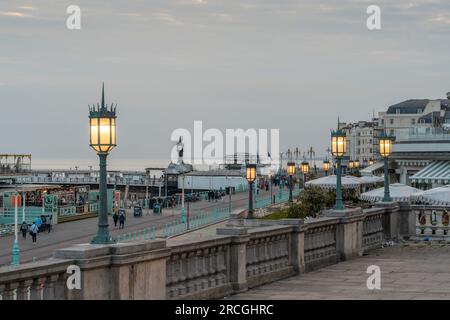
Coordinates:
[23,290]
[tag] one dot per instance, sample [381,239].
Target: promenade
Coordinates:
[411,271]
[82,231]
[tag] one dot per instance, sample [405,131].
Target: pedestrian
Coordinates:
[115,218]
[121,220]
[24,229]
[34,231]
[49,223]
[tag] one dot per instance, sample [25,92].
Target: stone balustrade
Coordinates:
[431,221]
[41,280]
[242,255]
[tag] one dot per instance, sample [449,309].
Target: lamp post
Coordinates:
[356,165]
[15,250]
[250,175]
[102,139]
[326,166]
[291,172]
[305,170]
[351,165]
[271,191]
[338,149]
[385,152]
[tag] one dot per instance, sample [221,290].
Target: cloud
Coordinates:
[169,19]
[26,8]
[439,19]
[15,14]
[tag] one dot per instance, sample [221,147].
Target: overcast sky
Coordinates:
[289,64]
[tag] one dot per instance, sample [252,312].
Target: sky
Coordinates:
[291,65]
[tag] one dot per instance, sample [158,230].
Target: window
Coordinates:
[419,110]
[413,121]
[392,132]
[382,121]
[391,121]
[398,111]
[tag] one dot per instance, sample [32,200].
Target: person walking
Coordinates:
[49,223]
[34,232]
[115,218]
[121,220]
[24,229]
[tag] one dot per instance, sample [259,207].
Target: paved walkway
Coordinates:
[415,271]
[82,231]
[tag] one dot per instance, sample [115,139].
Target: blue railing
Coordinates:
[31,213]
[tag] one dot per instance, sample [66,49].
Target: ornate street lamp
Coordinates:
[250,175]
[305,170]
[291,172]
[385,152]
[370,162]
[326,166]
[338,149]
[102,122]
[356,164]
[351,165]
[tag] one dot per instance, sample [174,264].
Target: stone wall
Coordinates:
[244,254]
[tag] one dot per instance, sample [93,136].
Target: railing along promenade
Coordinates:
[242,255]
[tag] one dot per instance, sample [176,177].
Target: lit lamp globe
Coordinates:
[351,164]
[385,146]
[250,173]
[370,162]
[356,164]
[305,167]
[291,168]
[326,166]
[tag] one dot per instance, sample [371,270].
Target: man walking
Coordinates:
[34,231]
[24,229]
[121,220]
[115,218]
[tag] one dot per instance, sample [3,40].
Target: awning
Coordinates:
[370,169]
[436,172]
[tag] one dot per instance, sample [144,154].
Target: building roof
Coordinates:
[409,106]
[217,173]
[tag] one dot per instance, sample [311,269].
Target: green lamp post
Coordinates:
[291,172]
[338,149]
[385,152]
[102,123]
[250,175]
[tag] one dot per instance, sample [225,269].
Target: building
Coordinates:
[362,141]
[409,113]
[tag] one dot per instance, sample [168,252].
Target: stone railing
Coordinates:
[431,221]
[42,280]
[372,229]
[320,243]
[242,255]
[199,270]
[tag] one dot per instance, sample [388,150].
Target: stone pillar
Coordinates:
[37,288]
[24,289]
[297,246]
[390,221]
[132,270]
[8,291]
[349,232]
[238,256]
[49,289]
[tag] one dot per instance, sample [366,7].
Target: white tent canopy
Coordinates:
[329,182]
[436,196]
[398,191]
[371,179]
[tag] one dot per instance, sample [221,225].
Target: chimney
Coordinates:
[448,95]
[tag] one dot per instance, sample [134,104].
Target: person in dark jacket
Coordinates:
[115,218]
[121,221]
[24,229]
